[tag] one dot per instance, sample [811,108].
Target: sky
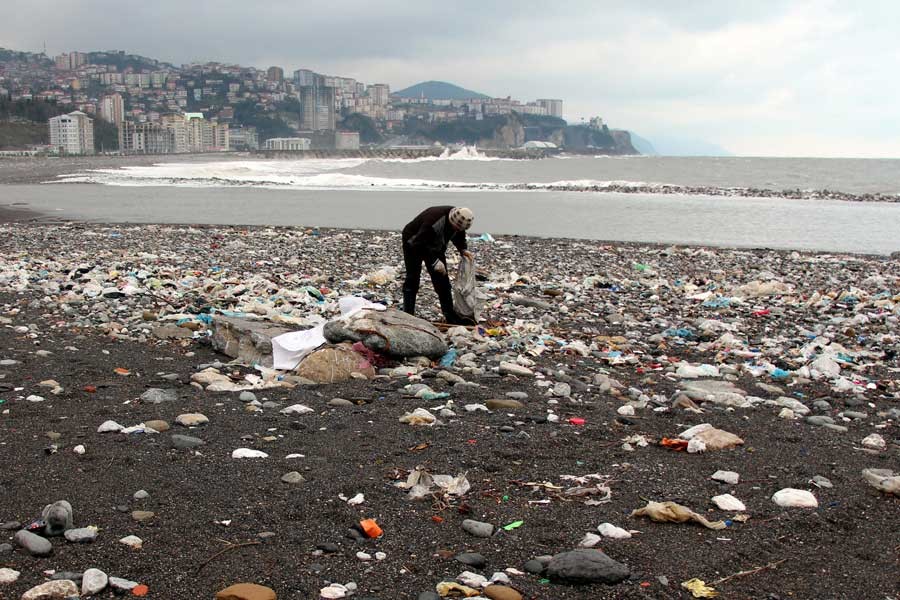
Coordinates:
[758,78]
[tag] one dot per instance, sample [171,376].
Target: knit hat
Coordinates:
[461,218]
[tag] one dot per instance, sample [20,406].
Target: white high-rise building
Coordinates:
[380,93]
[72,133]
[554,108]
[112,109]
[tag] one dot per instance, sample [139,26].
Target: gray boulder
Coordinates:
[249,340]
[389,332]
[34,544]
[586,566]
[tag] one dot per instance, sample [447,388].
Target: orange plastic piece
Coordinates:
[677,445]
[371,528]
[437,519]
[140,590]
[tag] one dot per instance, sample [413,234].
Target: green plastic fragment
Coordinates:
[513,525]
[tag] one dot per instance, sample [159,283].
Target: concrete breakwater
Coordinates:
[399,153]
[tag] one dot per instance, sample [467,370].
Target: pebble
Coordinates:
[185,442]
[471,559]
[428,596]
[503,404]
[508,368]
[246,591]
[83,535]
[191,419]
[93,582]
[157,425]
[822,482]
[535,567]
[729,477]
[6,548]
[142,516]
[728,502]
[501,592]
[247,397]
[478,528]
[517,395]
[122,585]
[53,590]
[34,544]
[79,449]
[158,396]
[8,576]
[141,495]
[132,541]
[340,402]
[293,478]
[586,566]
[874,442]
[70,575]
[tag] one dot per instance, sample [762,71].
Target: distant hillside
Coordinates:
[643,146]
[438,90]
[669,145]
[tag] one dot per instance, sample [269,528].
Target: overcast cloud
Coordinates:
[807,78]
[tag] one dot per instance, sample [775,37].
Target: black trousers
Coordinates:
[441,281]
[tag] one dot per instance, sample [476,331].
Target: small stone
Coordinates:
[328,547]
[517,395]
[93,582]
[822,482]
[53,435]
[141,495]
[820,420]
[729,477]
[70,575]
[132,541]
[122,585]
[265,536]
[6,548]
[728,502]
[428,596]
[292,478]
[626,410]
[142,516]
[471,559]
[10,526]
[185,442]
[340,402]
[247,397]
[52,590]
[246,591]
[478,528]
[586,566]
[504,404]
[501,592]
[508,368]
[363,556]
[874,442]
[83,535]
[611,531]
[79,449]
[158,396]
[191,419]
[157,425]
[8,576]
[34,544]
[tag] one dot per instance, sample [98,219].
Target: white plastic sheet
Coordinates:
[467,299]
[290,348]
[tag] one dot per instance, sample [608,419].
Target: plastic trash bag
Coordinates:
[467,299]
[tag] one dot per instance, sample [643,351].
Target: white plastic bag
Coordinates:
[467,299]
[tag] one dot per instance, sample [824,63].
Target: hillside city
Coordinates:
[113,102]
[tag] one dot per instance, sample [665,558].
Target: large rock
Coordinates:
[334,364]
[586,566]
[249,340]
[34,544]
[389,332]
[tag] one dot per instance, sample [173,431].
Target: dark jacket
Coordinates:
[429,233]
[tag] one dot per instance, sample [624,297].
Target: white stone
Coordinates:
[473,580]
[132,541]
[61,588]
[191,419]
[296,409]
[93,582]
[729,477]
[248,453]
[364,556]
[35,398]
[611,531]
[874,442]
[791,498]
[8,576]
[508,368]
[626,410]
[333,592]
[589,540]
[79,449]
[728,502]
[110,427]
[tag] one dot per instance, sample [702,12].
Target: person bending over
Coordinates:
[425,239]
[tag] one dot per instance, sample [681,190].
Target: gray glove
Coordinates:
[439,267]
